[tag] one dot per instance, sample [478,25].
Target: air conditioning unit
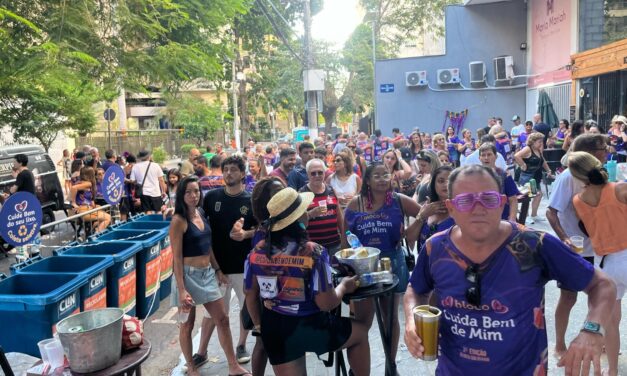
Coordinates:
[416,78]
[504,68]
[448,76]
[477,72]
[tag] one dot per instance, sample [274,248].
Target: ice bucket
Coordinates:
[361,265]
[92,340]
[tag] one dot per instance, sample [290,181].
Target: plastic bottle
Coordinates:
[22,254]
[611,167]
[375,277]
[533,186]
[35,248]
[353,240]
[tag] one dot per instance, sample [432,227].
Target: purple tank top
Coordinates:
[381,229]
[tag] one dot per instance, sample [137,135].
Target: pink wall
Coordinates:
[550,40]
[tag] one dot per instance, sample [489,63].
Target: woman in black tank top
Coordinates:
[196,274]
[532,164]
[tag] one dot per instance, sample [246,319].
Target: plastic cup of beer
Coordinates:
[323,205]
[577,242]
[427,320]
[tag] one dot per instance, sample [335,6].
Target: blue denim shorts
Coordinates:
[200,283]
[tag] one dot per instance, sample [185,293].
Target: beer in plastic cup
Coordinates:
[427,320]
[577,242]
[323,205]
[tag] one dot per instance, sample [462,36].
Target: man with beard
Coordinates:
[230,216]
[286,164]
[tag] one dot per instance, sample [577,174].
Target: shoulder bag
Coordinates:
[139,188]
[410,260]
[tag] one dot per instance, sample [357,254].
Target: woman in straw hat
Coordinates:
[292,277]
[197,274]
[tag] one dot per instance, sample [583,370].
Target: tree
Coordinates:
[198,119]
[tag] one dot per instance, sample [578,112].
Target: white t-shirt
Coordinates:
[565,187]
[151,185]
[474,159]
[516,131]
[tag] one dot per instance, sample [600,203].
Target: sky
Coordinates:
[336,21]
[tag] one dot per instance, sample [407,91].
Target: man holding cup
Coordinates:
[487,277]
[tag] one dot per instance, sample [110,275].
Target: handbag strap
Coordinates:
[400,204]
[146,174]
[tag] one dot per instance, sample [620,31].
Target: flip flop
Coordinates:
[199,360]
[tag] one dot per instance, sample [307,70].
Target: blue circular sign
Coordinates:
[21,216]
[112,185]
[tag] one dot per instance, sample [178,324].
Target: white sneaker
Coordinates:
[537,218]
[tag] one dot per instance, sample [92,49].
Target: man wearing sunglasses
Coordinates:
[488,276]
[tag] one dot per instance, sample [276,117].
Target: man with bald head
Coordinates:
[540,126]
[187,167]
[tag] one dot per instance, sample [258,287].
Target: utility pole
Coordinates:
[374,73]
[312,107]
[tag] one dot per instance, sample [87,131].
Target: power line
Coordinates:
[278,32]
[279,14]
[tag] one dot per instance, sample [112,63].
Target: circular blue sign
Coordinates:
[21,216]
[112,185]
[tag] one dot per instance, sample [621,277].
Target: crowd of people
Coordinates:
[265,224]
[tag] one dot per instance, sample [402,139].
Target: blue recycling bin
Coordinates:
[155,221]
[32,304]
[92,269]
[121,276]
[148,265]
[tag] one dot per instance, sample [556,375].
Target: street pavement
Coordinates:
[166,359]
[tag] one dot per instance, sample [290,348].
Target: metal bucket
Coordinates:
[361,265]
[92,340]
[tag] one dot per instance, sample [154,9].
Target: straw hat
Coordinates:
[287,206]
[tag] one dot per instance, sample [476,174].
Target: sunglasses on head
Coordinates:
[473,293]
[424,157]
[465,202]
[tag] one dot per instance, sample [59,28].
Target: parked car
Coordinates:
[48,188]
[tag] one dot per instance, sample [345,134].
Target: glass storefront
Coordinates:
[603,97]
[601,22]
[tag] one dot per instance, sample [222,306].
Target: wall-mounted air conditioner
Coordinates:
[504,68]
[416,78]
[477,72]
[448,76]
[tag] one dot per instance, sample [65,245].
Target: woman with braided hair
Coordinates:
[292,277]
[602,208]
[377,217]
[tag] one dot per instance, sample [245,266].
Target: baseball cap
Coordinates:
[515,117]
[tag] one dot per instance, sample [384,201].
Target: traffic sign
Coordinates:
[109,114]
[386,88]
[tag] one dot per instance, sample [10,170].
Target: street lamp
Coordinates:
[373,22]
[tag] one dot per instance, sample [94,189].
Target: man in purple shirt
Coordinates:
[488,276]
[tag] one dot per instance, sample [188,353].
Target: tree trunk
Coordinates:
[243,112]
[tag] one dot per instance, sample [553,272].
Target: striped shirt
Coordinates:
[324,230]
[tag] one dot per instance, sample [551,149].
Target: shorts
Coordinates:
[399,268]
[151,203]
[200,283]
[525,177]
[236,284]
[287,338]
[614,266]
[590,259]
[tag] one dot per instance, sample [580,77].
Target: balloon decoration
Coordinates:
[455,119]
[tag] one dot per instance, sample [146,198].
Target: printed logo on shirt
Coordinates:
[243,210]
[282,260]
[293,289]
[267,286]
[217,206]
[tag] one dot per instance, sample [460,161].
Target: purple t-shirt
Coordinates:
[291,278]
[426,231]
[381,229]
[507,332]
[249,183]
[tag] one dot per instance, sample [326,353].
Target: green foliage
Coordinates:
[198,119]
[159,155]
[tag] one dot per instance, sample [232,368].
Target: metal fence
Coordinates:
[134,141]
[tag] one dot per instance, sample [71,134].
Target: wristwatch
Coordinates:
[593,327]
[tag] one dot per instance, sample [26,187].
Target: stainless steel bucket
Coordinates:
[361,265]
[92,340]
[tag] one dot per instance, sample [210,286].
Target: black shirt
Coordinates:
[544,129]
[223,211]
[25,181]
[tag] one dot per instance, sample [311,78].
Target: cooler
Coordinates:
[155,221]
[121,276]
[148,265]
[32,304]
[92,269]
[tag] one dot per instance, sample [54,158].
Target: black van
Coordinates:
[47,185]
